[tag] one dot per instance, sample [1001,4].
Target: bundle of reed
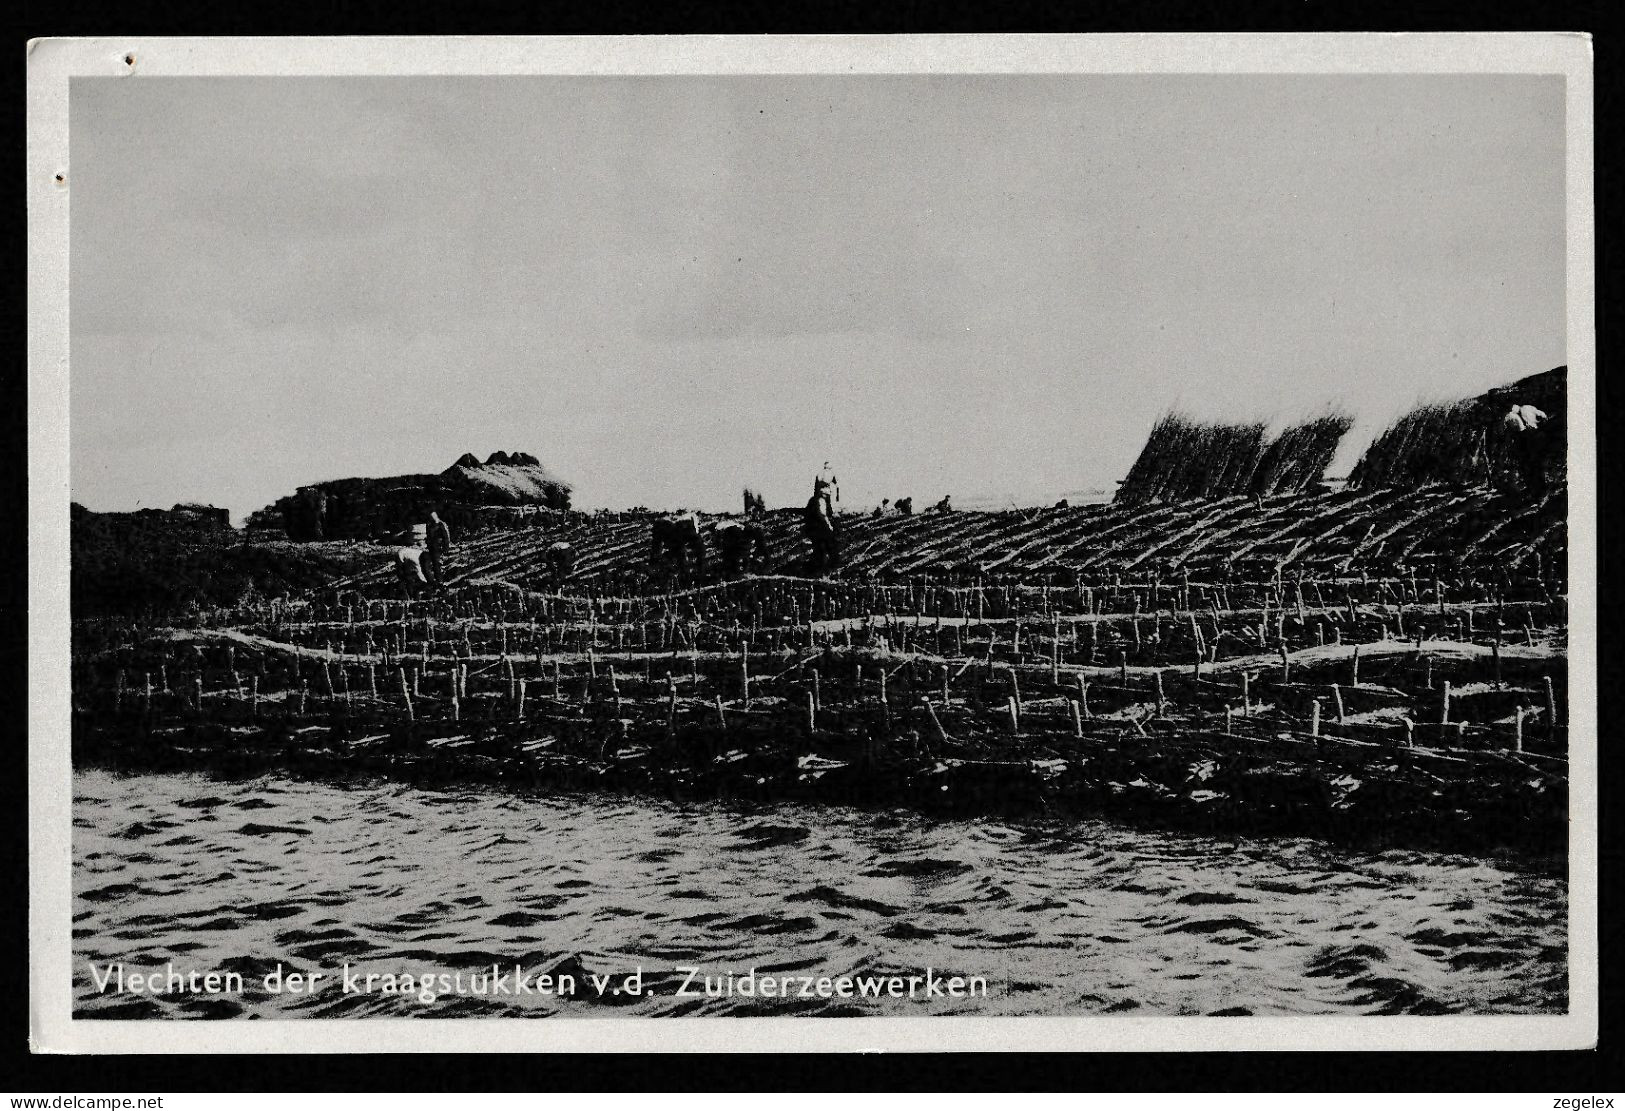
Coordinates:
[1297,458]
[1185,458]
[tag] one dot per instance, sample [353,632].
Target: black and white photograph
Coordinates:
[894,539]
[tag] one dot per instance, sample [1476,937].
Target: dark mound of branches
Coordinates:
[133,564]
[1470,443]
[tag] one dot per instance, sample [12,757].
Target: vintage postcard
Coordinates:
[812,543]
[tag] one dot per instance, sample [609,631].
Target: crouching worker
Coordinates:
[676,544]
[1523,423]
[561,560]
[409,570]
[743,546]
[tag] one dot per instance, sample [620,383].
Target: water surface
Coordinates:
[1074,917]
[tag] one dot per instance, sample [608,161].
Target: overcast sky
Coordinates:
[668,288]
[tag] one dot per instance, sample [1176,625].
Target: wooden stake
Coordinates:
[1055,645]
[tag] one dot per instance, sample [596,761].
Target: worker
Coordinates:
[1523,422]
[561,560]
[438,550]
[943,506]
[819,524]
[1524,418]
[832,485]
[743,545]
[675,540]
[409,571]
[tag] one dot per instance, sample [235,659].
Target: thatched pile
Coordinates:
[1299,456]
[1184,458]
[1470,443]
[373,507]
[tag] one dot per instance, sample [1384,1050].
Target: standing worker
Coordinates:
[439,550]
[818,522]
[832,485]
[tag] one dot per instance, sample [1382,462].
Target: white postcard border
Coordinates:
[52,63]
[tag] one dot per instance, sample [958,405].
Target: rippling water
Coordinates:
[1061,918]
